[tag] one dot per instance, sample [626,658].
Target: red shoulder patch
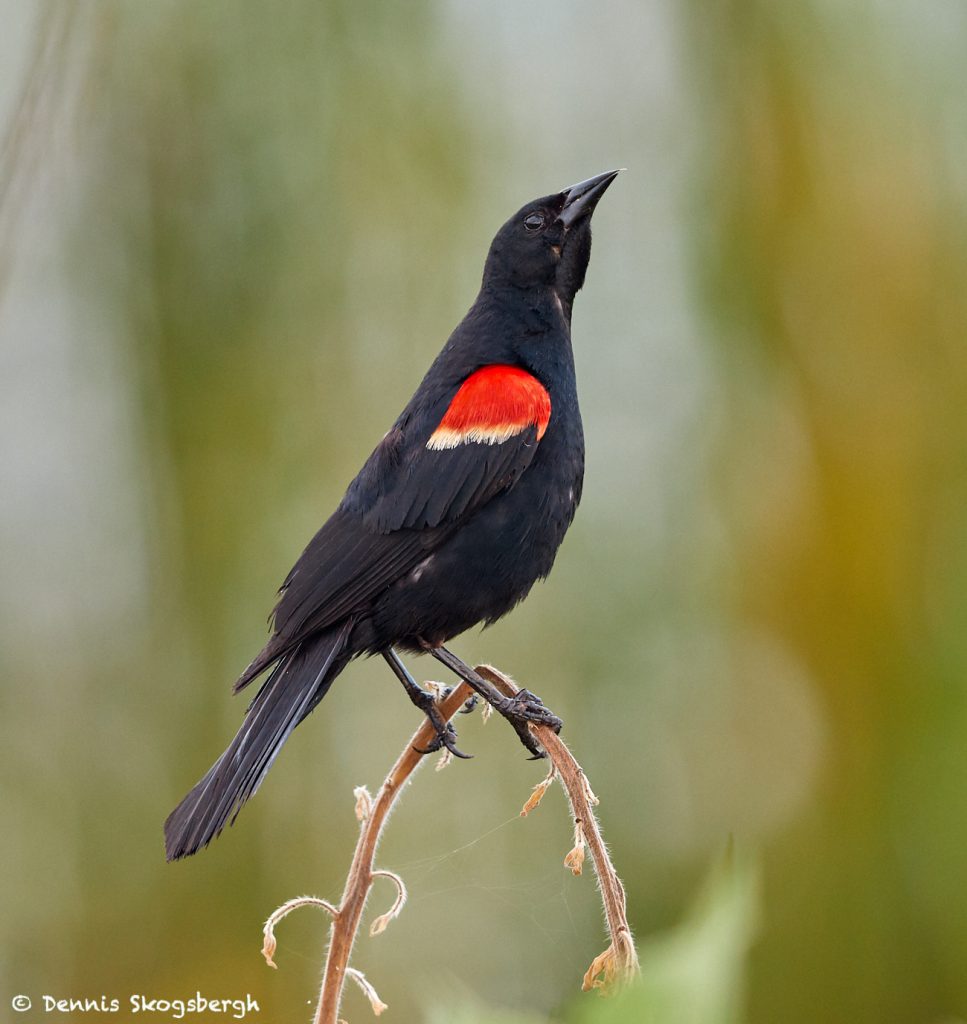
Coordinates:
[493,404]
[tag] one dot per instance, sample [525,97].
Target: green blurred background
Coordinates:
[232,236]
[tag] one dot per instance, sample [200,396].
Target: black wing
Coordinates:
[403,505]
[406,485]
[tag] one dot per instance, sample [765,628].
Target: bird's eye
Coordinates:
[533,222]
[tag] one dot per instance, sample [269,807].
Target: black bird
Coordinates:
[456,514]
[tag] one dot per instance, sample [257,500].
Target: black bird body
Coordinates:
[480,570]
[458,511]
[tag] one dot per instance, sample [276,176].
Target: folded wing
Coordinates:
[428,474]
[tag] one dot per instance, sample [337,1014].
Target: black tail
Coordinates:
[297,683]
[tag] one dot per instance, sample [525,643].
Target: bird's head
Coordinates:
[547,243]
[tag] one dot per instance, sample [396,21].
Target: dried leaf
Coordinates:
[575,860]
[364,803]
[374,1001]
[379,925]
[601,973]
[268,930]
[589,792]
[537,793]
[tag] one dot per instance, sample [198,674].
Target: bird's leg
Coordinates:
[520,709]
[445,733]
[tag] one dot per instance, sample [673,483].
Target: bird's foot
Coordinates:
[523,708]
[446,735]
[529,707]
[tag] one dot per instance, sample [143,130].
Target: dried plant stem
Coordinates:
[345,924]
[619,962]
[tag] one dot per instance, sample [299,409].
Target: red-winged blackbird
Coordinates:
[456,514]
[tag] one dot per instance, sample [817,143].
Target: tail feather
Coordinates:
[273,651]
[297,683]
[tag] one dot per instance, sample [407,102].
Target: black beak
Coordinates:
[582,198]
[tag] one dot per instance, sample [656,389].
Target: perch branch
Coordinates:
[619,962]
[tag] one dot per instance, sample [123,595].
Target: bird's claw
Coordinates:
[523,708]
[526,737]
[446,737]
